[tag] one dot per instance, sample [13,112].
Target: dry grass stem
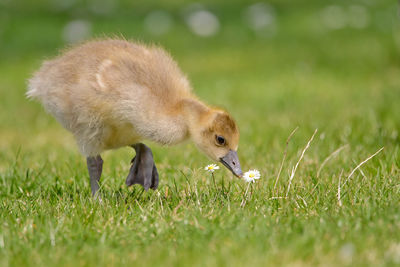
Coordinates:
[284,156]
[298,162]
[338,189]
[304,201]
[197,197]
[245,197]
[332,155]
[272,198]
[362,163]
[177,207]
[159,198]
[362,173]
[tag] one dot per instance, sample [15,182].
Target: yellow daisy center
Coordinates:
[251,175]
[210,167]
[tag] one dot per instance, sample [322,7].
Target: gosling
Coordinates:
[114,93]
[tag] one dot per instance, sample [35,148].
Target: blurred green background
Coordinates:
[275,65]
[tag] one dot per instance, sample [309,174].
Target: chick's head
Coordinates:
[218,138]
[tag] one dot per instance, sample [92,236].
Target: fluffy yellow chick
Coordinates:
[115,93]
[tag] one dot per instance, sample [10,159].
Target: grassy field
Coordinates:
[302,70]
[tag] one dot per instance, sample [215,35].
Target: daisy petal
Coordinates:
[211,168]
[251,176]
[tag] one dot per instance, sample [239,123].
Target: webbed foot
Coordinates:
[143,170]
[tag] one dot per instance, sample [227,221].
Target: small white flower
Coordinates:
[251,176]
[211,167]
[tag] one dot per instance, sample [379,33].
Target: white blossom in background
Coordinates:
[393,253]
[251,176]
[334,17]
[102,7]
[76,31]
[259,16]
[337,17]
[211,167]
[358,17]
[158,22]
[201,21]
[346,252]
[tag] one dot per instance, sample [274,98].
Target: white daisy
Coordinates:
[251,176]
[211,167]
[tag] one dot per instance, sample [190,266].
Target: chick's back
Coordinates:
[111,92]
[108,80]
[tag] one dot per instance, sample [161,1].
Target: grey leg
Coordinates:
[95,167]
[143,170]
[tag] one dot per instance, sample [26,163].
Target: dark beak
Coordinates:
[231,161]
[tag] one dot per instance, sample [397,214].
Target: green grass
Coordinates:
[344,82]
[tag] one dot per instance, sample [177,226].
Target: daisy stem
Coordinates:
[213,178]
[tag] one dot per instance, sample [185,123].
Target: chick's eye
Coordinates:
[220,140]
